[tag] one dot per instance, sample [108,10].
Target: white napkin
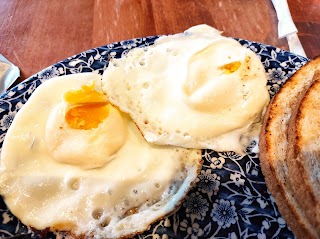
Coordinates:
[8,74]
[286,27]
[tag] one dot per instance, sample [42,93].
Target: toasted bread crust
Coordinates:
[274,146]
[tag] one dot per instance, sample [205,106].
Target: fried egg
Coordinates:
[72,162]
[197,89]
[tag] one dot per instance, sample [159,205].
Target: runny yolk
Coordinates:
[231,67]
[86,94]
[87,108]
[87,116]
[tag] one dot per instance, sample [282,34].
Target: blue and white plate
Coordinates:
[230,198]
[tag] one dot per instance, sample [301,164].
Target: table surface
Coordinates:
[35,34]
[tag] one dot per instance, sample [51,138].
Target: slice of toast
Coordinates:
[274,146]
[303,158]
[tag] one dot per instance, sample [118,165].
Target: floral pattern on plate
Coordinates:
[229,200]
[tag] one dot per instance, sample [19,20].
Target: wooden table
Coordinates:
[37,33]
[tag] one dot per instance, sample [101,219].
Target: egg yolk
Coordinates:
[87,108]
[231,67]
[87,116]
[86,94]
[205,66]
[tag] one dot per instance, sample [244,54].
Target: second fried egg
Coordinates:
[197,89]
